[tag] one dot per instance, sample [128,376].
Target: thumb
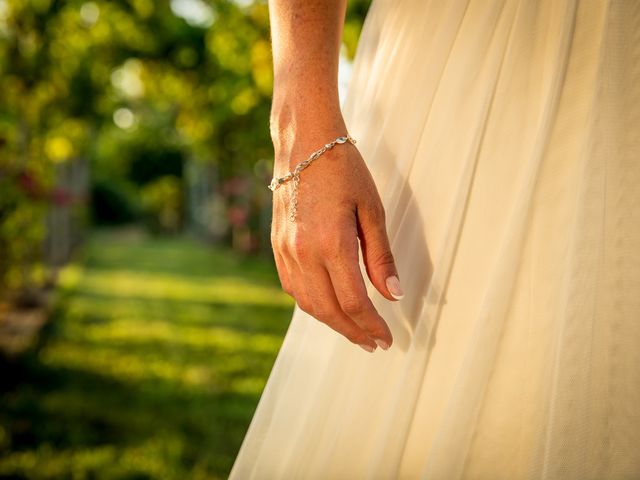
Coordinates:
[376,252]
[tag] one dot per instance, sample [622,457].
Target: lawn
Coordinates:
[150,368]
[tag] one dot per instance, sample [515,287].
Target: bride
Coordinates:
[471,220]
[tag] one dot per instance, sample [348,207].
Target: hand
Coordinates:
[317,255]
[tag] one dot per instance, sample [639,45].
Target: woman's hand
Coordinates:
[317,254]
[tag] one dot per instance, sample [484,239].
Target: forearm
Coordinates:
[306,37]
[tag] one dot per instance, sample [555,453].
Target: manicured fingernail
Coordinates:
[366,347]
[382,344]
[393,284]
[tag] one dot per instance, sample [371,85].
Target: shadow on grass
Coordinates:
[160,385]
[156,427]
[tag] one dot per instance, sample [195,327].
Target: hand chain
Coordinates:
[295,174]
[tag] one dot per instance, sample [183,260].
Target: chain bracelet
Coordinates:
[294,175]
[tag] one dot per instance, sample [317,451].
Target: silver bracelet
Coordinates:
[295,173]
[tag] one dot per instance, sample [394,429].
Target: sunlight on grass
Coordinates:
[172,361]
[153,365]
[128,283]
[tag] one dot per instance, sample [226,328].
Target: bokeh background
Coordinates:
[140,311]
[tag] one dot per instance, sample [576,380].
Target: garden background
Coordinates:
[140,311]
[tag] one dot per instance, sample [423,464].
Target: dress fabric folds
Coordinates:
[504,138]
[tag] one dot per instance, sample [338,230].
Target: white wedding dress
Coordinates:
[504,138]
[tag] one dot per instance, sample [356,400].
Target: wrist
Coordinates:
[298,128]
[296,109]
[302,101]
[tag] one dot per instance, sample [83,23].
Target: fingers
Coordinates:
[305,278]
[327,283]
[318,298]
[351,293]
[327,309]
[376,251]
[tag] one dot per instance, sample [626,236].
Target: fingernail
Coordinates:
[366,347]
[382,344]
[393,284]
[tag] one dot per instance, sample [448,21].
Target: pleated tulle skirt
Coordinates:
[504,137]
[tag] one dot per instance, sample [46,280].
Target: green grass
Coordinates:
[151,367]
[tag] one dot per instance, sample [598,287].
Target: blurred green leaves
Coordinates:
[92,79]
